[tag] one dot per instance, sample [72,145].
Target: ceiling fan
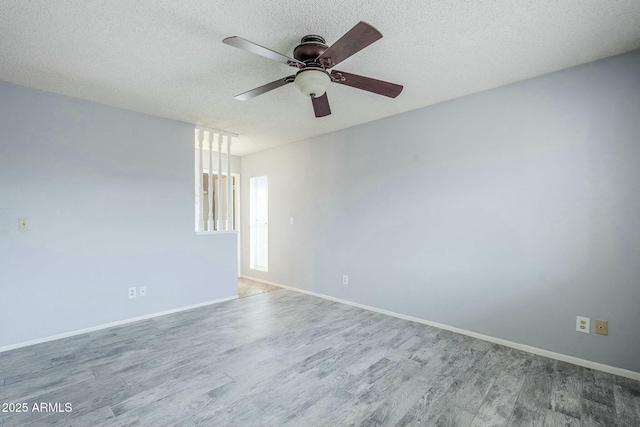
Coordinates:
[314,59]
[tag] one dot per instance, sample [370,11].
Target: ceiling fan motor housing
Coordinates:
[310,47]
[311,80]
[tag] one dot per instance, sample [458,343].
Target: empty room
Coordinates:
[243,213]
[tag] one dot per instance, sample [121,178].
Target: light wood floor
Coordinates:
[284,358]
[247,287]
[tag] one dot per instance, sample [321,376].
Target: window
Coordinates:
[259,222]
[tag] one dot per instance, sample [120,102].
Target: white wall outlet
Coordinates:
[291,220]
[143,291]
[132,292]
[583,324]
[23,224]
[345,279]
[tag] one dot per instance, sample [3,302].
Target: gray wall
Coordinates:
[110,197]
[507,213]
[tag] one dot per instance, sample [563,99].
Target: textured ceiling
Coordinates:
[166,57]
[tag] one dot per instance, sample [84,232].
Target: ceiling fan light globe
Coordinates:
[312,82]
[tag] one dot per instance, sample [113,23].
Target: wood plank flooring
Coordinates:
[284,358]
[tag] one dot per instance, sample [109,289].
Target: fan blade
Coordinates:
[366,83]
[243,44]
[264,89]
[356,39]
[321,105]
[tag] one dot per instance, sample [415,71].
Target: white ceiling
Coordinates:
[166,57]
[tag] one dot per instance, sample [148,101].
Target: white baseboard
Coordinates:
[529,349]
[112,324]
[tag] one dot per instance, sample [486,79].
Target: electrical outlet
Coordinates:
[602,327]
[345,279]
[132,292]
[583,324]
[143,291]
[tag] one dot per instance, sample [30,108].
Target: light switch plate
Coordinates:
[23,224]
